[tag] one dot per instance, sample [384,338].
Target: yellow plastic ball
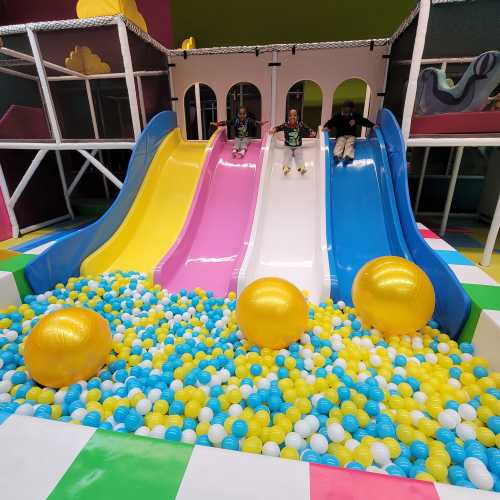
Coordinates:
[272,312]
[66,346]
[394,295]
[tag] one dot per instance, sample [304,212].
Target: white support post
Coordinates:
[141,100]
[171,83]
[35,163]
[5,193]
[80,173]
[46,223]
[19,74]
[26,57]
[366,109]
[421,180]
[492,236]
[93,116]
[198,110]
[450,160]
[274,84]
[129,76]
[416,59]
[47,96]
[451,189]
[60,167]
[104,181]
[101,168]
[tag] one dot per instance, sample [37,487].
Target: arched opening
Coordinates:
[248,95]
[306,97]
[200,108]
[357,91]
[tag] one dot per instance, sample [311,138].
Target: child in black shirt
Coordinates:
[345,124]
[242,125]
[294,132]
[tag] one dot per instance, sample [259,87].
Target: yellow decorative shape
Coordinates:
[83,60]
[189,43]
[99,8]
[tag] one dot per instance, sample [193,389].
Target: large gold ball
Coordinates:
[394,295]
[272,312]
[66,346]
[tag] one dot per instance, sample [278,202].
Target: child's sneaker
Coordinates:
[302,170]
[337,159]
[348,159]
[286,169]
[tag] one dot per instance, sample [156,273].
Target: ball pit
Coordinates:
[422,407]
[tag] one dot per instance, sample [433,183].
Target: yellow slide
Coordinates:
[158,213]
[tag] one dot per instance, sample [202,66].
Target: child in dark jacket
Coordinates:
[243,126]
[345,124]
[294,132]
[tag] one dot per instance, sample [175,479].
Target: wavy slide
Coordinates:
[288,236]
[210,250]
[62,260]
[369,215]
[157,216]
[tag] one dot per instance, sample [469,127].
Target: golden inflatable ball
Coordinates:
[393,295]
[66,346]
[272,312]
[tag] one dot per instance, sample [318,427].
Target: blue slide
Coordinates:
[62,260]
[369,215]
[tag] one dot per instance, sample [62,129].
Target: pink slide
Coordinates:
[210,249]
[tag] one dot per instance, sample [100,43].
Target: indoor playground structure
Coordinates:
[224,328]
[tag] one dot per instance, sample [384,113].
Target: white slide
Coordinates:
[288,238]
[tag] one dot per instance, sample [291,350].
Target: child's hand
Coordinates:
[375,126]
[313,133]
[352,123]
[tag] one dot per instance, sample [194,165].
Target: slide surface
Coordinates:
[62,260]
[288,238]
[211,247]
[369,215]
[362,217]
[158,213]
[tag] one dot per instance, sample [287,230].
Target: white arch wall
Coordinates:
[327,67]
[221,72]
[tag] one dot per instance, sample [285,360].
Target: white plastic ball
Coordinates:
[480,477]
[351,444]
[380,453]
[5,386]
[158,431]
[449,418]
[467,411]
[79,414]
[188,436]
[216,433]
[318,443]
[271,449]
[142,431]
[143,406]
[336,432]
[295,440]
[465,431]
[302,428]
[206,414]
[235,410]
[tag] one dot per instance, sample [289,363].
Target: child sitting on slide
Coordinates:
[345,124]
[294,132]
[242,124]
